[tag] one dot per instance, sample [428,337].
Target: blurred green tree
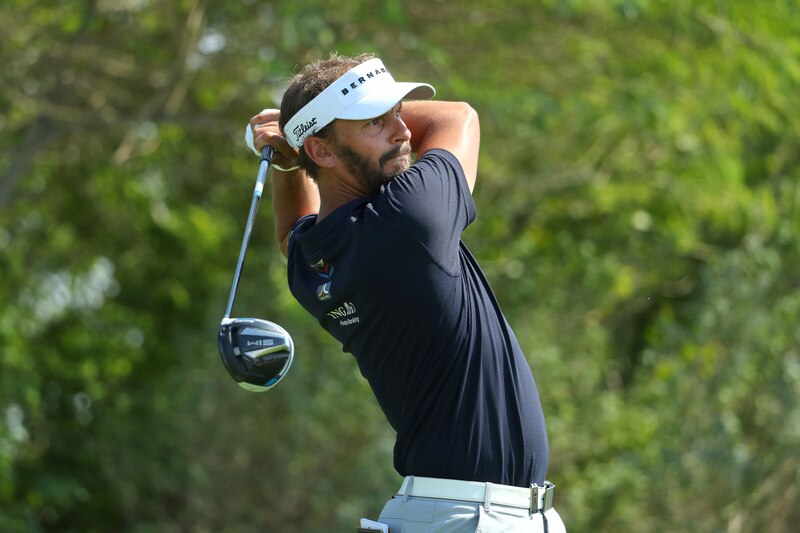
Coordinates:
[638,218]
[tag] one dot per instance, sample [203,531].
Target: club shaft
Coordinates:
[266,158]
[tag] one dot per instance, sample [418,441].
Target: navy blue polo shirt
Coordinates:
[390,279]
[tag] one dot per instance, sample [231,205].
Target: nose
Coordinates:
[401,132]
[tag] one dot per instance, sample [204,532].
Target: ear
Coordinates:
[319,150]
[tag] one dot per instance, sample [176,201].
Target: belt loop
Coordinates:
[487,496]
[410,480]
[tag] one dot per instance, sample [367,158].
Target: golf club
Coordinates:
[257,353]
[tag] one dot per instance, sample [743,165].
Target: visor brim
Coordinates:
[376,103]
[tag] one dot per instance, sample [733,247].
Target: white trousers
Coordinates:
[431,515]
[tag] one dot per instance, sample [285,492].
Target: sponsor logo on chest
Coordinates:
[345,314]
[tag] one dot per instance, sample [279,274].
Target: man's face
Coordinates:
[374,151]
[371,174]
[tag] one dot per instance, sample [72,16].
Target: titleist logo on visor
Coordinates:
[363,79]
[300,129]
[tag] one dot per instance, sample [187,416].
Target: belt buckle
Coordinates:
[549,494]
[547,498]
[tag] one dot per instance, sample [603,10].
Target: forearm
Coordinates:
[293,196]
[293,193]
[453,126]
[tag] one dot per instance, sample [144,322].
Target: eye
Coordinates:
[375,122]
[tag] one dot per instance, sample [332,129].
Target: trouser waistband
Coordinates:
[534,499]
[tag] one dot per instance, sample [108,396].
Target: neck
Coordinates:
[335,191]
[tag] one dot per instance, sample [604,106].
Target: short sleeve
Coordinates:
[433,202]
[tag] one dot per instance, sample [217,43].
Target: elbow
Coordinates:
[470,123]
[283,245]
[470,143]
[467,114]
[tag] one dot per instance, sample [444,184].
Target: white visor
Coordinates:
[366,91]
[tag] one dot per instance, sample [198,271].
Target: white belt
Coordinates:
[534,498]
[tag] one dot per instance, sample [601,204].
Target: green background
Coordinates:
[637,217]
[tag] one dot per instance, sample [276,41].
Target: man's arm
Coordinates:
[294,194]
[452,126]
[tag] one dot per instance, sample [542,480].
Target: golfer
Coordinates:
[373,240]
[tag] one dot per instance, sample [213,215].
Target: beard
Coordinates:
[369,173]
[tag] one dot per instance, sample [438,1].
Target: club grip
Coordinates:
[267,153]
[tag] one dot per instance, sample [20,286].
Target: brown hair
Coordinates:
[306,85]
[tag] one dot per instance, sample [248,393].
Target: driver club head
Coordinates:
[257,353]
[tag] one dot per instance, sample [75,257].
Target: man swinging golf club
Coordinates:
[374,251]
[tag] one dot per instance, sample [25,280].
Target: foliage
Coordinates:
[638,218]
